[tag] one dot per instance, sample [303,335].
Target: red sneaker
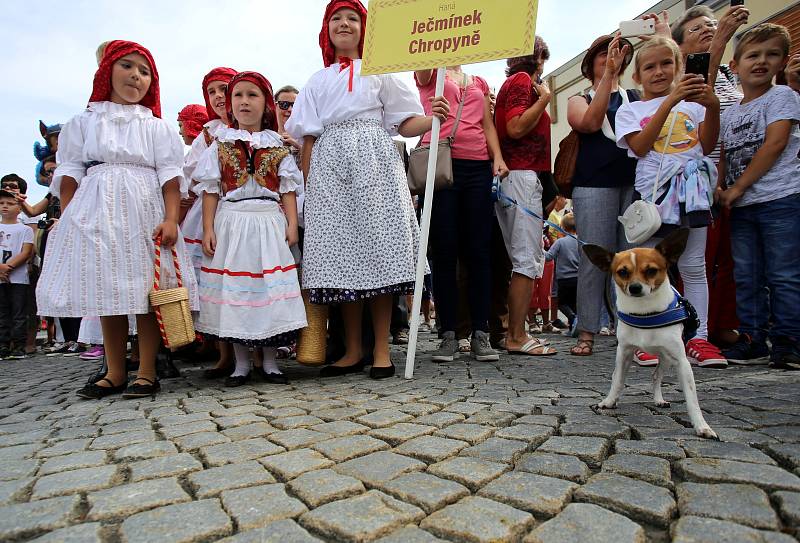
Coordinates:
[645,359]
[704,354]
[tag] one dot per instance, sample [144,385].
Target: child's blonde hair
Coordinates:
[568,222]
[653,43]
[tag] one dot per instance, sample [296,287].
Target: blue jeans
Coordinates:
[766,256]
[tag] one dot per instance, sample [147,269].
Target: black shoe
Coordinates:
[237,380]
[100,374]
[93,391]
[273,378]
[218,373]
[381,373]
[785,354]
[336,371]
[165,368]
[17,354]
[140,390]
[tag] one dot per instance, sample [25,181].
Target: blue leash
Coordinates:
[497,195]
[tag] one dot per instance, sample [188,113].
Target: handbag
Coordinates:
[172,306]
[641,219]
[418,159]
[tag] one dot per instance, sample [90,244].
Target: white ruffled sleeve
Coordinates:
[207,175]
[399,103]
[69,156]
[290,176]
[305,120]
[169,150]
[190,163]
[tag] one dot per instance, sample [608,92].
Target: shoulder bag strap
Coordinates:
[674,114]
[460,109]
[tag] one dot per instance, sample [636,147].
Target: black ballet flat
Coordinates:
[218,373]
[336,371]
[142,390]
[381,373]
[93,391]
[272,378]
[237,380]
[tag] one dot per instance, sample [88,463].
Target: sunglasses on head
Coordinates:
[284,104]
[13,186]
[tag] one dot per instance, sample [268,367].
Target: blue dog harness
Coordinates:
[678,311]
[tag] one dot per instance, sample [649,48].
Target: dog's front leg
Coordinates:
[623,362]
[658,377]
[686,377]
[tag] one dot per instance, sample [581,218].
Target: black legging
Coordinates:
[71,327]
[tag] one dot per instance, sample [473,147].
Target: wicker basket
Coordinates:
[313,338]
[172,306]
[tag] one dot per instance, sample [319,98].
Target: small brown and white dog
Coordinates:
[646,298]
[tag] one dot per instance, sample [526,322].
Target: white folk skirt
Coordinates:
[192,229]
[361,234]
[100,255]
[249,289]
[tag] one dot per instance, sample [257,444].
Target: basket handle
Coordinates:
[157,274]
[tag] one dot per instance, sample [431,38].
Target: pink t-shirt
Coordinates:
[470,140]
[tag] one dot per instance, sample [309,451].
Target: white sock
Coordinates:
[269,364]
[242,355]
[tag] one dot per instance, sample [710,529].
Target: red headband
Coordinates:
[115,50]
[269,121]
[193,117]
[217,74]
[328,50]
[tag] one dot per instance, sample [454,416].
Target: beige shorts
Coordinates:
[522,233]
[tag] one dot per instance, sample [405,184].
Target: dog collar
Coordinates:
[678,311]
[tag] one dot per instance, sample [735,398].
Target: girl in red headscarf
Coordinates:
[361,235]
[250,294]
[118,177]
[190,122]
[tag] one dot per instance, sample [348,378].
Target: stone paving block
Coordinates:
[64,447]
[784,434]
[710,470]
[249,431]
[323,486]
[630,497]
[173,465]
[119,416]
[213,481]
[28,519]
[403,431]
[470,472]
[192,442]
[224,423]
[726,451]
[541,420]
[144,451]
[85,459]
[79,480]
[281,531]
[115,441]
[171,432]
[646,468]
[743,504]
[440,419]
[379,467]
[744,436]
[497,419]
[409,534]
[532,434]
[418,409]
[361,518]
[789,506]
[174,419]
[476,519]
[555,465]
[288,465]
[259,505]
[125,426]
[77,432]
[431,448]
[496,449]
[587,523]
[708,530]
[787,454]
[341,449]
[471,433]
[17,468]
[91,532]
[592,450]
[238,451]
[26,450]
[202,520]
[299,421]
[667,450]
[425,490]
[340,413]
[466,408]
[126,500]
[16,490]
[536,494]
[297,438]
[598,427]
[383,418]
[340,428]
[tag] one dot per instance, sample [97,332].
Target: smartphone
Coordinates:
[697,63]
[737,3]
[637,27]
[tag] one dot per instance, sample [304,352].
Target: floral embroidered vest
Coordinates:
[238,162]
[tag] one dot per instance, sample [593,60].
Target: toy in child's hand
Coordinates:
[41,152]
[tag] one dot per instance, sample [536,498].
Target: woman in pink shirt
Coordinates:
[461,222]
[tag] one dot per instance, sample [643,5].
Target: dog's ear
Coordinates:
[673,245]
[43,129]
[599,256]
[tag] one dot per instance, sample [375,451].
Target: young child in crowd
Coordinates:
[16,248]
[191,120]
[566,254]
[362,235]
[118,177]
[670,132]
[249,290]
[760,180]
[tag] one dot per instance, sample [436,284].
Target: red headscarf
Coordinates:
[328,51]
[269,121]
[115,50]
[217,74]
[193,117]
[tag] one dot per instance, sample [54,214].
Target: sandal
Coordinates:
[93,391]
[534,347]
[142,390]
[584,347]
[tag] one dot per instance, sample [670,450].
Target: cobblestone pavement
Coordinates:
[467,451]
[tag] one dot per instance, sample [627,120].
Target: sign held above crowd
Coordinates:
[405,35]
